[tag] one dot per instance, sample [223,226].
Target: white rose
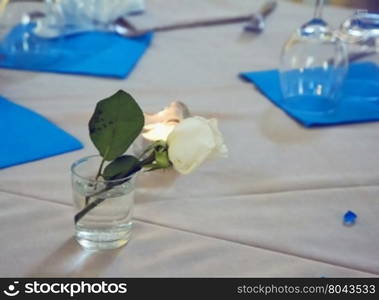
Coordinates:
[193,141]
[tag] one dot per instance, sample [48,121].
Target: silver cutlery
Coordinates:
[122,26]
[255,23]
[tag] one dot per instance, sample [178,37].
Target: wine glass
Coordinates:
[360,32]
[20,47]
[68,17]
[313,65]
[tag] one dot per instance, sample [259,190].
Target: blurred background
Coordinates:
[369,4]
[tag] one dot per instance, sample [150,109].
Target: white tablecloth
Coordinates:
[273,208]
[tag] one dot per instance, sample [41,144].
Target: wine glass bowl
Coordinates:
[312,71]
[312,67]
[20,46]
[359,28]
[360,33]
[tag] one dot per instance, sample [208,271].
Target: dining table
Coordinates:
[273,208]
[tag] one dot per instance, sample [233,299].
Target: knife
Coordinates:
[124,27]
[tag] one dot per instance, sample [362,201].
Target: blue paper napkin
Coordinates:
[91,53]
[361,81]
[27,136]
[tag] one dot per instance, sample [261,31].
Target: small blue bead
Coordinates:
[349,218]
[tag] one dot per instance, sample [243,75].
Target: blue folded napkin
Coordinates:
[91,53]
[361,81]
[27,136]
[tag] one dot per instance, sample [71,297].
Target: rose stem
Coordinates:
[92,205]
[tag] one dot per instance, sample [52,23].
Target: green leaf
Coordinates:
[121,167]
[115,124]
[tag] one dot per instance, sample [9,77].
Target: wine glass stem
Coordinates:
[318,9]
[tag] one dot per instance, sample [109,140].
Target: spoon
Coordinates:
[256,23]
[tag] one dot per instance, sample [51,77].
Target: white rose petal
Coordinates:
[193,141]
[220,150]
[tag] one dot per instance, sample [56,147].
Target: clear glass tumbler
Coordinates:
[104,209]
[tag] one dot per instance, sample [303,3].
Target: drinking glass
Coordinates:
[20,46]
[108,224]
[360,32]
[74,16]
[313,66]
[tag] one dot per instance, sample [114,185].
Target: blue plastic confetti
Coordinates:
[349,218]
